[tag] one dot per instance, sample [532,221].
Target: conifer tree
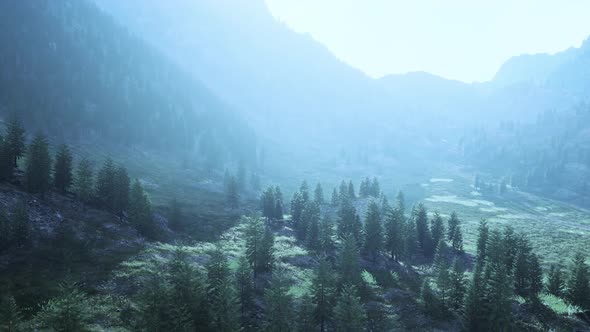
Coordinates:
[482,240]
[351,193]
[154,302]
[223,304]
[364,188]
[304,191]
[422,231]
[322,292]
[10,315]
[348,262]
[326,240]
[105,185]
[343,192]
[70,311]
[15,139]
[527,271]
[245,288]
[313,233]
[555,281]
[319,194]
[121,183]
[394,228]
[437,229]
[400,203]
[431,303]
[349,314]
[443,281]
[38,168]
[498,286]
[475,315]
[309,215]
[62,176]
[373,231]
[305,320]
[410,240]
[140,211]
[375,190]
[278,211]
[297,206]
[453,226]
[578,289]
[83,182]
[348,224]
[335,200]
[268,203]
[267,252]
[278,315]
[457,243]
[254,233]
[457,286]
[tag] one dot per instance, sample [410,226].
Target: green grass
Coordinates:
[559,306]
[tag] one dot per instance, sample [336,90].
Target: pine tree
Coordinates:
[245,288]
[154,302]
[343,192]
[527,271]
[267,252]
[83,183]
[175,216]
[304,191]
[373,231]
[453,226]
[15,139]
[457,286]
[400,203]
[254,233]
[498,286]
[443,281]
[482,240]
[422,231]
[140,211]
[38,168]
[322,292]
[105,185]
[349,314]
[375,190]
[349,262]
[394,228]
[267,201]
[62,176]
[313,233]
[437,229]
[305,320]
[297,206]
[326,237]
[278,315]
[319,194]
[10,315]
[475,315]
[431,303]
[70,311]
[335,200]
[555,281]
[578,289]
[411,240]
[348,224]
[351,193]
[364,188]
[309,215]
[457,243]
[232,193]
[121,183]
[21,227]
[223,304]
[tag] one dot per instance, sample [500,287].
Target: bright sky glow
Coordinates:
[467,40]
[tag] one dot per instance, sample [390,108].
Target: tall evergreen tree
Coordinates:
[482,240]
[578,288]
[38,168]
[351,193]
[555,281]
[278,315]
[437,229]
[431,302]
[373,231]
[245,288]
[322,292]
[297,206]
[348,262]
[140,211]
[364,188]
[70,311]
[453,225]
[410,240]
[6,161]
[304,191]
[457,286]
[475,314]
[304,318]
[400,203]
[223,304]
[375,189]
[326,237]
[348,223]
[62,176]
[343,191]
[349,314]
[335,200]
[121,183]
[267,253]
[309,215]
[319,194]
[254,233]
[498,286]
[84,181]
[15,139]
[105,185]
[457,242]
[394,228]
[267,201]
[423,231]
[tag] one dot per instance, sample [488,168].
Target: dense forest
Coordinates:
[154,182]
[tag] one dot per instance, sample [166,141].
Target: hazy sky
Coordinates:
[466,40]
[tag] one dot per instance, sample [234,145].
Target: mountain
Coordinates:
[80,76]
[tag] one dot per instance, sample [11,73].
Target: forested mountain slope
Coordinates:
[78,75]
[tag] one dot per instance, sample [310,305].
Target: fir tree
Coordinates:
[15,139]
[83,182]
[62,176]
[335,200]
[310,214]
[121,183]
[457,286]
[349,314]
[326,240]
[498,286]
[453,226]
[105,185]
[437,229]
[457,243]
[245,288]
[431,303]
[364,188]
[313,233]
[254,233]
[375,190]
[297,206]
[322,292]
[349,262]
[223,304]
[482,240]
[422,231]
[319,194]
[10,315]
[140,211]
[555,281]
[305,320]
[373,231]
[400,203]
[394,228]
[578,289]
[348,224]
[38,168]
[278,315]
[70,311]
[475,315]
[411,240]
[304,191]
[343,192]
[267,252]
[351,193]
[267,201]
